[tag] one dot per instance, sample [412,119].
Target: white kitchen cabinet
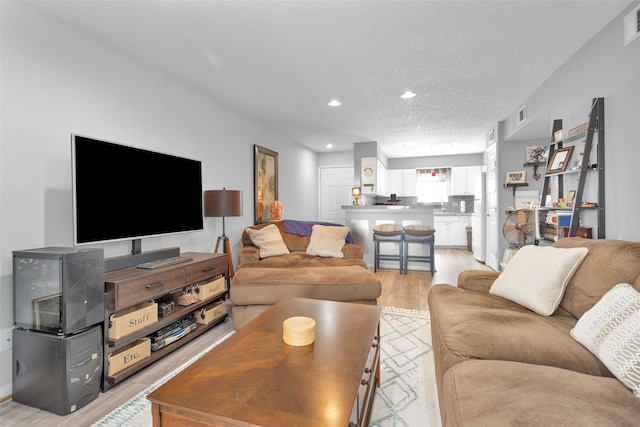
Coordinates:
[451,230]
[382,178]
[458,181]
[410,182]
[473,173]
[463,179]
[396,182]
[402,182]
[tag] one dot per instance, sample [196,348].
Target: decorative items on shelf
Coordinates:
[536,155]
[516,177]
[589,158]
[578,129]
[275,210]
[189,296]
[577,164]
[557,135]
[565,202]
[355,192]
[561,203]
[588,205]
[559,160]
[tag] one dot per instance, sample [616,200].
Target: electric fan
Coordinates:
[519,228]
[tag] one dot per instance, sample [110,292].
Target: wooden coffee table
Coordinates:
[254,378]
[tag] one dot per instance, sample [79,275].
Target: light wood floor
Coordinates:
[401,291]
[410,290]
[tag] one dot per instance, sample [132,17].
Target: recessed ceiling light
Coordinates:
[335,103]
[408,95]
[329,146]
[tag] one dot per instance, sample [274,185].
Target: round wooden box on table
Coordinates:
[299,331]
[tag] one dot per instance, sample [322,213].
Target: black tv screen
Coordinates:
[121,192]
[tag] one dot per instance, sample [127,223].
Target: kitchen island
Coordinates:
[362,219]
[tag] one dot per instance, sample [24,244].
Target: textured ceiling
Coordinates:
[471,63]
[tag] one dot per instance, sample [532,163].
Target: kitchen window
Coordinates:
[433,185]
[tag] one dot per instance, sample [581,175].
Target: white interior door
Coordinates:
[334,191]
[491,201]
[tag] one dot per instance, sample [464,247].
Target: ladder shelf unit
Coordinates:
[595,129]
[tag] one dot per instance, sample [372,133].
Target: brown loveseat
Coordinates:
[499,363]
[262,282]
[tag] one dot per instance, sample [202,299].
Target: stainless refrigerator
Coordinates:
[478,234]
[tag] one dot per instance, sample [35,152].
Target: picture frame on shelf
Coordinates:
[557,135]
[265,181]
[516,177]
[578,129]
[578,163]
[535,154]
[570,195]
[559,160]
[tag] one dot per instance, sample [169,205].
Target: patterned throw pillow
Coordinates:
[268,240]
[611,331]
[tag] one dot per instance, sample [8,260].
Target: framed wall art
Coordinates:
[265,182]
[516,177]
[535,154]
[559,160]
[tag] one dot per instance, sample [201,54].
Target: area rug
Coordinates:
[407,395]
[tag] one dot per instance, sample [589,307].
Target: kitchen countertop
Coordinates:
[435,207]
[452,213]
[430,206]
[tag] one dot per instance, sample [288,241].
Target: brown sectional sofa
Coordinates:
[499,363]
[260,283]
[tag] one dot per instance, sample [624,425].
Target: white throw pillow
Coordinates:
[327,241]
[268,240]
[537,276]
[611,331]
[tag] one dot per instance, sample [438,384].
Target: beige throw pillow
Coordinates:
[611,331]
[327,241]
[536,277]
[269,240]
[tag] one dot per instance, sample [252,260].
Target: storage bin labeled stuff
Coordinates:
[132,319]
[211,289]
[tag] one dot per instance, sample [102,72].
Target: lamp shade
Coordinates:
[221,203]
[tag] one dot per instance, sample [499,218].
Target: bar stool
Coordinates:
[388,233]
[420,234]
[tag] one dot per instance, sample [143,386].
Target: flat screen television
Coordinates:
[126,193]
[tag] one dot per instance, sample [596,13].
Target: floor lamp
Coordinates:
[223,203]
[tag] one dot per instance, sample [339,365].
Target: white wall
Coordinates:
[336,158]
[57,80]
[604,67]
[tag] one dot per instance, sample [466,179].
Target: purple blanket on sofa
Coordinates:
[304,228]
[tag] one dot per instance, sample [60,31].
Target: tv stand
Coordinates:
[126,288]
[125,261]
